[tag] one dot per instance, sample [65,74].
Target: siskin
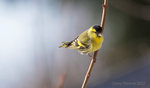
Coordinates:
[87,42]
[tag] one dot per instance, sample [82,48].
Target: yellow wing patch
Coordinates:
[80,44]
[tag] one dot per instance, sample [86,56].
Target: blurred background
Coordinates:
[32,30]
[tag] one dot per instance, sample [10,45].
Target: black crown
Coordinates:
[97,28]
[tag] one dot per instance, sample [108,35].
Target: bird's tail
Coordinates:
[65,44]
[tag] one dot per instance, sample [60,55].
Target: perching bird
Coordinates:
[87,42]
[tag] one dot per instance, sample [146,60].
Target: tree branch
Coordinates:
[61,81]
[105,6]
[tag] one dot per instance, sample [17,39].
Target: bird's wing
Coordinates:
[84,39]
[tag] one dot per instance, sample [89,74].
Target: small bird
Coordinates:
[87,42]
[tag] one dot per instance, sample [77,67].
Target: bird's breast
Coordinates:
[97,43]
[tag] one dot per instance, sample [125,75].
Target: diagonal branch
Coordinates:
[105,6]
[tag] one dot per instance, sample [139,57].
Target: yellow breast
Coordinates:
[97,43]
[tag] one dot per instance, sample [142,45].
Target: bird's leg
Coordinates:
[89,55]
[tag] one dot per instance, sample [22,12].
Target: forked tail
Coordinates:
[65,44]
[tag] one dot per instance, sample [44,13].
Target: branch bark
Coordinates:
[105,6]
[61,81]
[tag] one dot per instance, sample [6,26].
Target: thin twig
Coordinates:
[105,6]
[61,81]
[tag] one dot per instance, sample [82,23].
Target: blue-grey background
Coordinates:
[32,30]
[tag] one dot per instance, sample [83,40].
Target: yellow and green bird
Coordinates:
[87,42]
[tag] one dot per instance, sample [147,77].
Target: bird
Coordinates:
[87,42]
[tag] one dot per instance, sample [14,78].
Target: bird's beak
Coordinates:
[99,35]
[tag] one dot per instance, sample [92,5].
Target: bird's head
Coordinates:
[95,31]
